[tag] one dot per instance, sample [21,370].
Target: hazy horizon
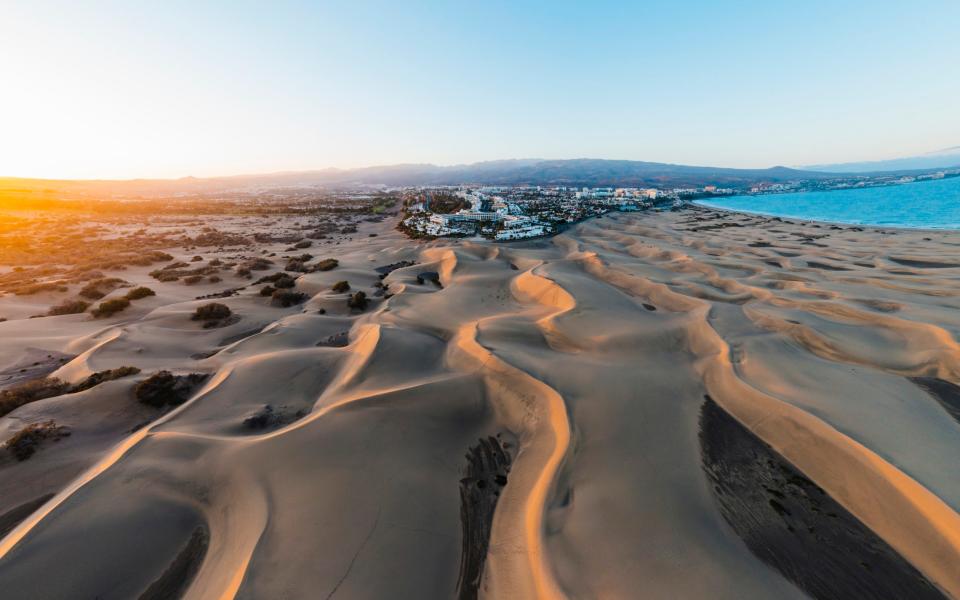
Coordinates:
[118,91]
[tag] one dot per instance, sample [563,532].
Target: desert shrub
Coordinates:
[287,298]
[358,301]
[285,281]
[37,288]
[91,291]
[192,279]
[98,288]
[340,287]
[68,307]
[213,311]
[30,391]
[296,265]
[431,276]
[303,244]
[215,262]
[110,307]
[327,264]
[163,388]
[140,292]
[196,259]
[267,290]
[244,272]
[257,264]
[25,442]
[101,376]
[165,276]
[214,279]
[220,238]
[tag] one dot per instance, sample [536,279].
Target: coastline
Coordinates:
[806,220]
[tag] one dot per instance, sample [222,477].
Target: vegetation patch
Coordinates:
[102,376]
[98,288]
[48,387]
[166,389]
[30,391]
[340,287]
[287,298]
[110,307]
[140,292]
[327,264]
[68,307]
[37,288]
[28,440]
[358,301]
[213,314]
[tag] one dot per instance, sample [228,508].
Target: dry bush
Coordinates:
[327,264]
[288,298]
[166,389]
[31,391]
[358,301]
[68,307]
[140,292]
[25,442]
[110,307]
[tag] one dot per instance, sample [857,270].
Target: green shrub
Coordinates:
[31,391]
[101,376]
[211,312]
[358,301]
[327,264]
[287,298]
[110,307]
[140,292]
[164,388]
[69,307]
[25,442]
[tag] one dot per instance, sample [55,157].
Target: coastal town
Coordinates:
[507,213]
[524,212]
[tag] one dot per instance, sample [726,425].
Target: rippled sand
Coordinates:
[693,404]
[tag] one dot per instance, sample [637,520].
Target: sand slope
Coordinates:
[588,355]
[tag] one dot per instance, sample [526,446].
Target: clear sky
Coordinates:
[172,88]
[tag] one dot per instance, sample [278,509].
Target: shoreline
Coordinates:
[806,220]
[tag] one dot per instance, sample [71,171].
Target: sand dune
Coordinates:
[684,405]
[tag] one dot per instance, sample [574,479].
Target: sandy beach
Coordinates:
[691,404]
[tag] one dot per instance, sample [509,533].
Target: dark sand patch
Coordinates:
[488,465]
[880,305]
[240,336]
[814,264]
[13,517]
[175,580]
[944,392]
[337,340]
[35,364]
[924,264]
[791,524]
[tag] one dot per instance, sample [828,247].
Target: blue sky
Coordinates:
[173,88]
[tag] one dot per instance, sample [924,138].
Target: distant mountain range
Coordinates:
[574,173]
[583,172]
[941,159]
